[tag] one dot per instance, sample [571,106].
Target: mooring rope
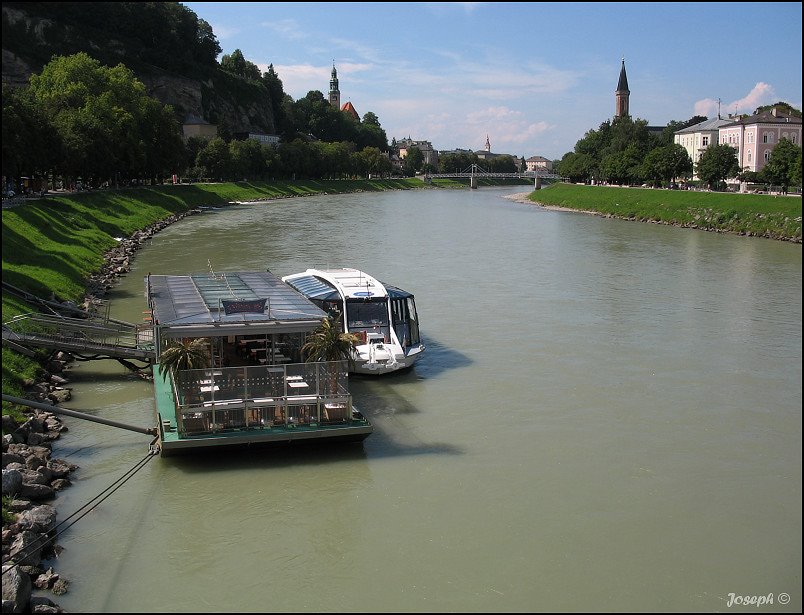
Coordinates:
[84,510]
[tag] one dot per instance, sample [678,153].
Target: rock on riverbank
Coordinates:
[31,478]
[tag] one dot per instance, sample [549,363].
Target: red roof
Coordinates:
[349,108]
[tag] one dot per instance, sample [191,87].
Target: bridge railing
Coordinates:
[75,330]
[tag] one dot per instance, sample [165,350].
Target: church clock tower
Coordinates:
[334,92]
[621,95]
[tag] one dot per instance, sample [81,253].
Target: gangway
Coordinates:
[100,338]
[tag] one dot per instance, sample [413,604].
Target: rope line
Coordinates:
[84,510]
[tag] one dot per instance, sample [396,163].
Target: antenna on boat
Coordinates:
[212,275]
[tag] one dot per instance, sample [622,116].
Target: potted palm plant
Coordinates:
[187,353]
[328,343]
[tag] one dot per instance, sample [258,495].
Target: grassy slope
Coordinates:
[748,214]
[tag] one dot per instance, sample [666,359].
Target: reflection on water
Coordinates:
[607,417]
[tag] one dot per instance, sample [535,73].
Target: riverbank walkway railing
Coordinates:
[97,337]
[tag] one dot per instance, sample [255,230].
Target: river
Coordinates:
[607,418]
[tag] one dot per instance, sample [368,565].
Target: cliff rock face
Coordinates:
[30,41]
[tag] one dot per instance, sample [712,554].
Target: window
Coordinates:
[368,313]
[705,141]
[767,155]
[793,138]
[749,156]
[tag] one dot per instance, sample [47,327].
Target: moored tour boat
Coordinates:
[383,317]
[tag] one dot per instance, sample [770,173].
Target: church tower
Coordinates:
[621,95]
[334,92]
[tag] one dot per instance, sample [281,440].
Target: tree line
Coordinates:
[623,151]
[81,119]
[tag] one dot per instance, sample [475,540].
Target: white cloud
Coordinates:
[761,94]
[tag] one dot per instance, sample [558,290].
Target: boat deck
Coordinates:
[253,418]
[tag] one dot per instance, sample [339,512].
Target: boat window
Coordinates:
[414,321]
[367,313]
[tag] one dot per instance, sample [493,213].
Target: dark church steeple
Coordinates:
[621,95]
[334,92]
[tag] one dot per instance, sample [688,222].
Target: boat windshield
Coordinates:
[362,313]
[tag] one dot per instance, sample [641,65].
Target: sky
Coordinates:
[532,77]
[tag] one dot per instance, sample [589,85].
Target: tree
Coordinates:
[371,161]
[328,343]
[183,354]
[784,160]
[246,159]
[104,119]
[622,167]
[795,172]
[214,160]
[578,167]
[717,163]
[669,132]
[237,64]
[413,161]
[782,106]
[276,94]
[30,144]
[666,163]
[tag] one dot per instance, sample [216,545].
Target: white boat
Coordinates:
[383,317]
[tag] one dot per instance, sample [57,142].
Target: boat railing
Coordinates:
[290,395]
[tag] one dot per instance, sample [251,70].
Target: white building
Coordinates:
[538,163]
[696,138]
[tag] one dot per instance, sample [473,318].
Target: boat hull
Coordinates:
[374,368]
[262,437]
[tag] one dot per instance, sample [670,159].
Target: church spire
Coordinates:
[622,94]
[488,144]
[334,92]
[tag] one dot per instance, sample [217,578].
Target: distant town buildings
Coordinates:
[403,146]
[487,154]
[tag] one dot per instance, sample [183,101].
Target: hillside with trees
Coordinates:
[66,66]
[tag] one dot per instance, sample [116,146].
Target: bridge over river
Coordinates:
[476,171]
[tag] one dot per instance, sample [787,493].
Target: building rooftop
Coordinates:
[235,303]
[712,124]
[770,116]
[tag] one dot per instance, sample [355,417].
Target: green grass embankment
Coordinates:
[760,215]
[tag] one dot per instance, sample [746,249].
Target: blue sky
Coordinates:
[534,77]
